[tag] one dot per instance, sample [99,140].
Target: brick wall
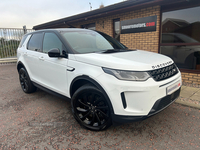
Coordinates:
[191,78]
[146,40]
[104,24]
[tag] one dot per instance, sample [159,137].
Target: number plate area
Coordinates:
[172,88]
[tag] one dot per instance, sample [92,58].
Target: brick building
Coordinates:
[175,34]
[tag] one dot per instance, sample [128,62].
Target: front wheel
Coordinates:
[90,108]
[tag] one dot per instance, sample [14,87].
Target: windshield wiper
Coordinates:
[114,50]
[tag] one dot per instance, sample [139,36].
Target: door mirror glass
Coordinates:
[55,52]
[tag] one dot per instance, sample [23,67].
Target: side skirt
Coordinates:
[51,92]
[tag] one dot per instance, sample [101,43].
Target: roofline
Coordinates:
[93,12]
[100,12]
[171,19]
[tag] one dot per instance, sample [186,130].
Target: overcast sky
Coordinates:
[16,13]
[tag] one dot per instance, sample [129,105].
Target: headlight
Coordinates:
[127,75]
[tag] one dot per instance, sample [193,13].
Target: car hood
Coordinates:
[137,60]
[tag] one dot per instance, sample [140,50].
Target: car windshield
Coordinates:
[86,41]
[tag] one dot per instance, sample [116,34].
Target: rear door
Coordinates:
[34,49]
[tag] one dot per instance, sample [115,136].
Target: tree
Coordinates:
[102,5]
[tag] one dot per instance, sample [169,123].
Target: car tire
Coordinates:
[90,108]
[26,84]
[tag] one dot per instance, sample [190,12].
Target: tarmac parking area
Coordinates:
[42,121]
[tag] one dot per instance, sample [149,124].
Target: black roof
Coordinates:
[62,30]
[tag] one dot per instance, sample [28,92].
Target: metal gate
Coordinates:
[9,41]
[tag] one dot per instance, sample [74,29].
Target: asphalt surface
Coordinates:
[42,121]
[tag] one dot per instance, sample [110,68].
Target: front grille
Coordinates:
[164,73]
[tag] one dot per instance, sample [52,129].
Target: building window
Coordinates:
[90,26]
[180,37]
[116,25]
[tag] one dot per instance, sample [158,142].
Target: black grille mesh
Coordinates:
[164,73]
[164,102]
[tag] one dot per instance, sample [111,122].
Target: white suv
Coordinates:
[106,82]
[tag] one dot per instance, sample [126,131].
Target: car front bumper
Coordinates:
[158,106]
[131,99]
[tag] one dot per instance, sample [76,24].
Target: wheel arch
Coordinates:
[84,79]
[20,65]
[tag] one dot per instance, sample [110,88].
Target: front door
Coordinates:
[53,71]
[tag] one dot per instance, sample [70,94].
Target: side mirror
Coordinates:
[55,52]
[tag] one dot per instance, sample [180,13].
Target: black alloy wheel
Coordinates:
[90,108]
[25,81]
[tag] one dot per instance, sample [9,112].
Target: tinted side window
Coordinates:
[35,42]
[22,40]
[51,41]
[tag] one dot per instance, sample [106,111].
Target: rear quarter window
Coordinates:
[22,40]
[35,42]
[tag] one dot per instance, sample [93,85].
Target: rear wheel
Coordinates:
[26,84]
[90,108]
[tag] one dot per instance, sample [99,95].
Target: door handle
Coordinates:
[41,58]
[71,69]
